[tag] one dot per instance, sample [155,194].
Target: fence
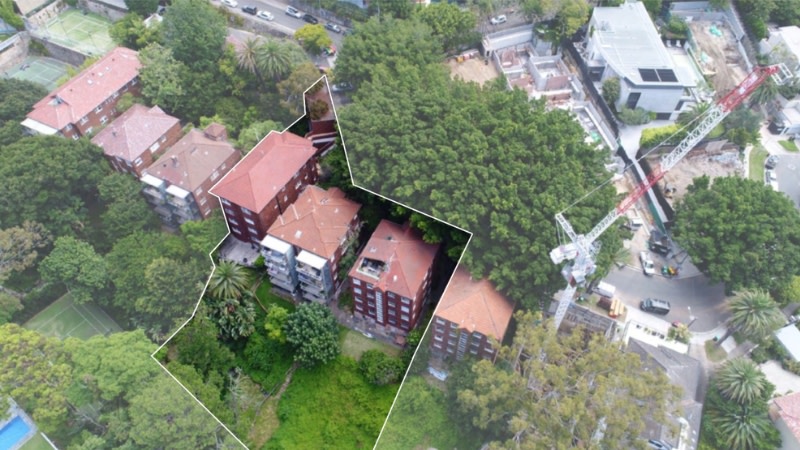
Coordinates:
[597,99]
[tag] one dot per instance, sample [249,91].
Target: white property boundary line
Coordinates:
[214,266]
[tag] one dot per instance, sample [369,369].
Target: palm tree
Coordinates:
[229,281]
[689,116]
[744,427]
[764,93]
[246,57]
[754,314]
[274,59]
[741,381]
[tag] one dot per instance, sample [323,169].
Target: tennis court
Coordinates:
[86,33]
[64,318]
[43,71]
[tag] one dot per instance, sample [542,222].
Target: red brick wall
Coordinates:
[94,118]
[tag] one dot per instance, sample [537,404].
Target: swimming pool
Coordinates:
[13,432]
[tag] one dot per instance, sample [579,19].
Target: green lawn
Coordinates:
[36,443]
[789,146]
[268,298]
[331,407]
[714,352]
[354,344]
[758,155]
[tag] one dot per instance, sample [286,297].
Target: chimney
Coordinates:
[394,278]
[174,160]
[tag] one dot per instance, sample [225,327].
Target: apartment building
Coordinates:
[303,248]
[137,137]
[470,315]
[391,278]
[88,101]
[263,185]
[177,185]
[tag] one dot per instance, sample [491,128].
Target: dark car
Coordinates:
[771,162]
[333,27]
[310,19]
[252,10]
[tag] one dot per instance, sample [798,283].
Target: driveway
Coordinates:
[692,296]
[788,172]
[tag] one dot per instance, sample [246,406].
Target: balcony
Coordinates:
[283,284]
[152,192]
[303,276]
[177,202]
[308,270]
[186,213]
[314,296]
[271,255]
[163,211]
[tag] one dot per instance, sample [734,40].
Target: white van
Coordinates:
[604,289]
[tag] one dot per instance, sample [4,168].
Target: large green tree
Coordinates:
[161,75]
[76,264]
[204,235]
[9,304]
[313,333]
[198,345]
[754,314]
[549,389]
[126,210]
[195,32]
[32,191]
[740,232]
[452,25]
[142,7]
[313,38]
[19,247]
[16,99]
[291,89]
[173,289]
[131,32]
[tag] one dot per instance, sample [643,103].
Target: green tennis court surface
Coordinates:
[63,318]
[86,33]
[43,71]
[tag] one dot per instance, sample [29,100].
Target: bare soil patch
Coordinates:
[719,55]
[474,69]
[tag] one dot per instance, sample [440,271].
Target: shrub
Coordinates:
[636,116]
[611,91]
[654,136]
[678,26]
[318,109]
[380,369]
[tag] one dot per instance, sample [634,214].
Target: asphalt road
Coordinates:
[692,296]
[788,172]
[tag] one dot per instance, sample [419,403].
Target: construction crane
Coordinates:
[582,249]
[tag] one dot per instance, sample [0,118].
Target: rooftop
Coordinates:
[260,175]
[475,305]
[789,337]
[788,408]
[192,160]
[791,37]
[86,91]
[402,256]
[132,133]
[317,221]
[631,45]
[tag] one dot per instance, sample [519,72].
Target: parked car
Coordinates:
[770,175]
[230,3]
[333,27]
[771,162]
[342,87]
[656,306]
[329,50]
[658,445]
[498,20]
[367,334]
[252,10]
[647,264]
[266,15]
[310,19]
[294,12]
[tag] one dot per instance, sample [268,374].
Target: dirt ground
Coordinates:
[714,162]
[722,55]
[472,70]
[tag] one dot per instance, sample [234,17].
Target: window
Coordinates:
[247,212]
[359,308]
[440,321]
[371,303]
[116,94]
[214,175]
[404,317]
[138,161]
[391,295]
[437,345]
[154,147]
[356,281]
[68,127]
[89,131]
[286,198]
[296,174]
[392,304]
[199,191]
[252,230]
[357,290]
[297,186]
[392,312]
[225,202]
[229,212]
[84,120]
[370,286]
[134,81]
[249,221]
[449,349]
[283,189]
[75,137]
[392,322]
[236,230]
[233,221]
[203,201]
[124,88]
[98,109]
[372,311]
[406,301]
[163,139]
[404,309]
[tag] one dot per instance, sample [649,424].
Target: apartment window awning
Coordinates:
[152,181]
[275,244]
[39,127]
[177,192]
[311,259]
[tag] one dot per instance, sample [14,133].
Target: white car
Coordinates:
[498,20]
[266,15]
[770,175]
[294,12]
[647,264]
[230,3]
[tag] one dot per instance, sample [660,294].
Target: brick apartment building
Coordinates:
[177,184]
[137,137]
[391,278]
[470,314]
[304,246]
[87,101]
[265,183]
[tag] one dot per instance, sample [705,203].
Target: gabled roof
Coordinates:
[317,221]
[406,256]
[86,91]
[260,176]
[788,408]
[789,337]
[475,305]
[682,370]
[631,45]
[191,161]
[132,133]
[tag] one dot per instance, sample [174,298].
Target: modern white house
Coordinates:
[623,42]
[783,46]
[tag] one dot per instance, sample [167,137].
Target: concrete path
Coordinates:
[785,382]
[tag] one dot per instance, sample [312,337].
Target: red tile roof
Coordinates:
[475,305]
[406,256]
[788,408]
[132,133]
[317,222]
[258,178]
[192,160]
[89,89]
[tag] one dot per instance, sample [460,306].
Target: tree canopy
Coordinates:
[740,232]
[76,264]
[195,32]
[313,333]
